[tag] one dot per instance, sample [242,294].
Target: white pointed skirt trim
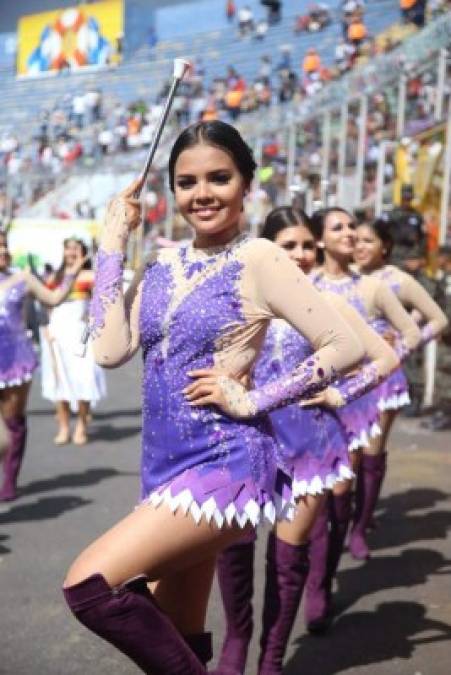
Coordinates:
[394,402]
[318,485]
[364,439]
[252,513]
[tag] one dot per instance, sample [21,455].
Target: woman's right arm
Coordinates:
[114,315]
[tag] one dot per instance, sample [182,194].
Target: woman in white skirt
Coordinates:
[72,381]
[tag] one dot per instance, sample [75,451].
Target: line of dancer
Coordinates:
[256,386]
[18,359]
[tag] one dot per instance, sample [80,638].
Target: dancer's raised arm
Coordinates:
[114,315]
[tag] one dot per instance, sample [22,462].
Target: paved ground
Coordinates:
[395,610]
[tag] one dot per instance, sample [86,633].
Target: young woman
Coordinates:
[68,380]
[17,356]
[209,470]
[373,247]
[313,444]
[373,299]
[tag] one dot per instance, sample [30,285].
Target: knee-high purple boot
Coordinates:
[235,569]
[12,461]
[129,618]
[324,561]
[369,482]
[286,573]
[316,608]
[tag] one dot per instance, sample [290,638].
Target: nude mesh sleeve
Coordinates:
[413,295]
[49,297]
[114,315]
[381,359]
[391,309]
[283,291]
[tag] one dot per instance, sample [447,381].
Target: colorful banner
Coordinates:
[70,39]
[43,238]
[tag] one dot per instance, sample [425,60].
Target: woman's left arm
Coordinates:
[412,294]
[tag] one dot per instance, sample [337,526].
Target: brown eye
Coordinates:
[309,246]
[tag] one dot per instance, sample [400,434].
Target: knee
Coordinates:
[342,488]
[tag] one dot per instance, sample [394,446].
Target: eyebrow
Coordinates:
[209,173]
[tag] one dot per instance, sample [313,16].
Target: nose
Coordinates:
[202,194]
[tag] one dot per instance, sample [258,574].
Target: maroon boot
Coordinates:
[286,573]
[316,607]
[12,460]
[235,569]
[369,482]
[128,617]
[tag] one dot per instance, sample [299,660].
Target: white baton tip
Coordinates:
[181,67]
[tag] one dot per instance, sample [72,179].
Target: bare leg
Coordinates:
[63,417]
[101,592]
[13,400]
[151,541]
[184,596]
[298,530]
[80,433]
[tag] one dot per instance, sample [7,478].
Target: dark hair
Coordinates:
[318,219]
[281,218]
[382,230]
[221,135]
[59,274]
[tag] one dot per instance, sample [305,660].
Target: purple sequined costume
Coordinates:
[361,416]
[312,441]
[199,459]
[393,392]
[17,356]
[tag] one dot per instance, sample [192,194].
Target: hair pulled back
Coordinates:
[281,218]
[318,219]
[382,230]
[221,135]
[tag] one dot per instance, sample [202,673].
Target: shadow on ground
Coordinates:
[44,508]
[73,480]
[106,432]
[391,631]
[3,549]
[400,526]
[97,415]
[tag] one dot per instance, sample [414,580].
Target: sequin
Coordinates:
[17,355]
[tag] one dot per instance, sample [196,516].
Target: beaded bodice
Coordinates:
[11,307]
[282,350]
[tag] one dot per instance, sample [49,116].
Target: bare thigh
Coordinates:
[13,400]
[298,530]
[184,596]
[151,541]
[344,486]
[378,444]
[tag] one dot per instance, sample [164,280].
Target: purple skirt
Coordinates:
[393,392]
[312,447]
[360,419]
[17,361]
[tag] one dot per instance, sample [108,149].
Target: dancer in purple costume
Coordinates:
[374,243]
[313,444]
[335,230]
[18,358]
[209,466]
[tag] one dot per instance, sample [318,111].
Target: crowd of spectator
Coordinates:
[88,127]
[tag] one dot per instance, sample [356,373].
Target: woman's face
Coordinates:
[209,190]
[369,250]
[5,258]
[339,234]
[72,251]
[300,245]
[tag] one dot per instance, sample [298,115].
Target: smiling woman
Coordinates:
[200,314]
